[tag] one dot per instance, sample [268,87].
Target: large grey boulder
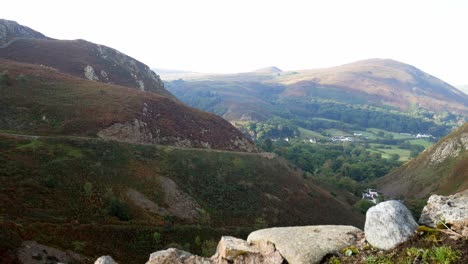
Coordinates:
[105,260]
[307,244]
[448,209]
[389,224]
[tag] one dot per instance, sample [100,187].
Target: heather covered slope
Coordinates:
[441,169]
[102,193]
[83,59]
[41,100]
[381,81]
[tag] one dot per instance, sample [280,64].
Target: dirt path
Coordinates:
[35,137]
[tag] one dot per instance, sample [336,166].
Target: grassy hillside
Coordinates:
[440,169]
[40,100]
[57,188]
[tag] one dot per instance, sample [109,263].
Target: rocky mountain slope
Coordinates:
[79,58]
[10,30]
[41,100]
[441,169]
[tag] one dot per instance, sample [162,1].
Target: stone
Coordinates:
[33,252]
[449,209]
[307,244]
[176,256]
[235,250]
[105,260]
[388,224]
[90,74]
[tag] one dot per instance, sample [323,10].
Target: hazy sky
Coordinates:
[238,35]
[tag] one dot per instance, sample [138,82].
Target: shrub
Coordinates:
[157,238]
[119,209]
[5,79]
[209,248]
[88,189]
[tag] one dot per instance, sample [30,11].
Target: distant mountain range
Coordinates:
[377,93]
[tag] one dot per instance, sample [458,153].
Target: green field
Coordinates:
[389,150]
[306,133]
[423,142]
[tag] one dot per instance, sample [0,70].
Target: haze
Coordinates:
[238,36]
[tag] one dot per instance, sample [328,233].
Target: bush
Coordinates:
[119,209]
[5,79]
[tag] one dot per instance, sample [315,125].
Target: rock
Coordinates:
[105,260]
[33,252]
[235,250]
[90,74]
[389,224]
[307,244]
[450,209]
[176,256]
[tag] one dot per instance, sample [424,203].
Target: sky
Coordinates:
[220,36]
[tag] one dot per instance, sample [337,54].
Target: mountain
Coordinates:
[82,59]
[440,169]
[10,30]
[463,88]
[41,100]
[381,81]
[269,70]
[360,95]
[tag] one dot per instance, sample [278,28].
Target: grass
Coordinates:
[306,133]
[336,132]
[423,142]
[388,150]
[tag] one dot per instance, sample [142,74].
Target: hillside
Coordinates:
[41,100]
[360,94]
[82,59]
[99,192]
[381,81]
[463,88]
[440,169]
[10,30]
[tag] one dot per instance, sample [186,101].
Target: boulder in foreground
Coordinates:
[307,244]
[388,224]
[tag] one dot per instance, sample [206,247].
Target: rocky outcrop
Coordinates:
[90,74]
[180,203]
[235,250]
[10,30]
[447,209]
[176,256]
[450,148]
[230,250]
[32,252]
[307,244]
[389,224]
[105,260]
[167,122]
